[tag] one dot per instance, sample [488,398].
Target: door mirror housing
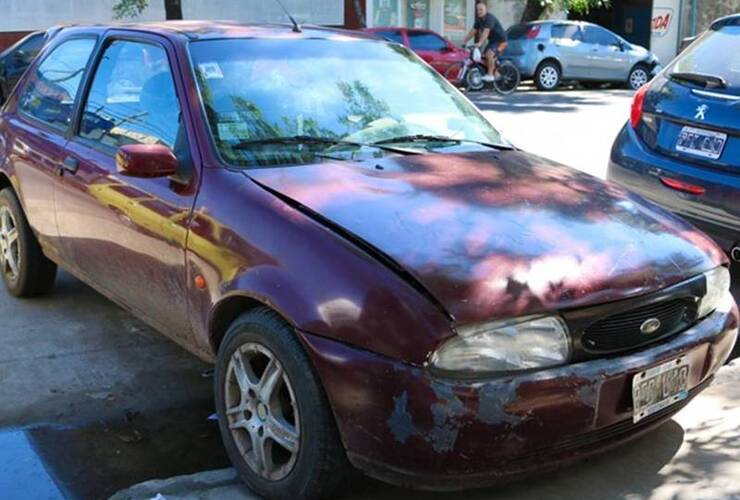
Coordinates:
[146,160]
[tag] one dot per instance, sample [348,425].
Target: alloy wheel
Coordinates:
[262,411]
[638,78]
[10,256]
[549,77]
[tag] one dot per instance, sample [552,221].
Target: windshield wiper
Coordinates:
[438,138]
[309,139]
[703,79]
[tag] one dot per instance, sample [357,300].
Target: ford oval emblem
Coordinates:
[649,326]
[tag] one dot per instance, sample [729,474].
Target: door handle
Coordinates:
[70,164]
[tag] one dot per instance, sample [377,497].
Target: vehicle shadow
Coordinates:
[560,101]
[633,469]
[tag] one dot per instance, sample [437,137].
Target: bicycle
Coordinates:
[469,74]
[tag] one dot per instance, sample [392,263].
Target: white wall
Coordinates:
[311,11]
[29,15]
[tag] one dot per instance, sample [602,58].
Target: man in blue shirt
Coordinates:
[489,35]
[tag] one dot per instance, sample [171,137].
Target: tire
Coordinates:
[25,269]
[474,78]
[295,411]
[639,76]
[547,76]
[507,78]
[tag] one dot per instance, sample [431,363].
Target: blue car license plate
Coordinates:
[699,142]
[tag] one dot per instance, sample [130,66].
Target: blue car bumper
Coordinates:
[639,169]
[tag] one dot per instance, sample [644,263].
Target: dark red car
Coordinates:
[380,278]
[439,52]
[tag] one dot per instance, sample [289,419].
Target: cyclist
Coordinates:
[490,37]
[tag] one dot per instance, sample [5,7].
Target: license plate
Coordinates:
[659,387]
[699,142]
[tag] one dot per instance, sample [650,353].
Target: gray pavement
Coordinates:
[573,126]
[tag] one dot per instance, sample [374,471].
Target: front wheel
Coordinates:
[639,76]
[506,79]
[275,421]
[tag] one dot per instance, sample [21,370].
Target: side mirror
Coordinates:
[620,45]
[146,160]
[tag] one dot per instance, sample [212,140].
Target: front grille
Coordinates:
[622,331]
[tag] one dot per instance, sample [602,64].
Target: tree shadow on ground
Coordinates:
[560,101]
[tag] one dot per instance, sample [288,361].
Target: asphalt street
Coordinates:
[93,401]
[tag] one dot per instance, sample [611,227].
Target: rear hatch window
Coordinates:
[713,62]
[699,102]
[518,35]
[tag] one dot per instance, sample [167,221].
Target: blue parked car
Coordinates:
[681,147]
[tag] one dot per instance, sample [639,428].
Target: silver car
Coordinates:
[550,52]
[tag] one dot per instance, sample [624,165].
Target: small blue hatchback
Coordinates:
[681,146]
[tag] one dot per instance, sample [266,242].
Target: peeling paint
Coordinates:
[588,394]
[447,413]
[400,421]
[493,398]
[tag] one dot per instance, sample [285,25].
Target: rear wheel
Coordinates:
[506,78]
[639,76]
[275,420]
[547,75]
[25,269]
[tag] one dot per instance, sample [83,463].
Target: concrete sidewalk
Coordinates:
[694,456]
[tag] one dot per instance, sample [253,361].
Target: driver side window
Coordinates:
[132,99]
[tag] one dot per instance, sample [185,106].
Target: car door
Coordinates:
[571,50]
[608,60]
[432,48]
[128,235]
[36,133]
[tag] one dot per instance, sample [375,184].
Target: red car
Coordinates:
[379,277]
[439,52]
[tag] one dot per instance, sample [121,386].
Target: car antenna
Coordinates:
[296,26]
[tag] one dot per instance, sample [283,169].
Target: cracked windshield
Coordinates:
[322,99]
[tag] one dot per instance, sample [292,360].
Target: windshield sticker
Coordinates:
[211,71]
[233,131]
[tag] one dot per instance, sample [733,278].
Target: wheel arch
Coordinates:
[550,59]
[227,310]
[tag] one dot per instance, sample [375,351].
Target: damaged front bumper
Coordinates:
[401,424]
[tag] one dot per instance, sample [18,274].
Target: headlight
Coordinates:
[503,346]
[718,288]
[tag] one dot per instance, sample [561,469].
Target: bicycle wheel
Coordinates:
[454,74]
[506,78]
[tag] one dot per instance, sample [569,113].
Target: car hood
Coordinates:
[500,234]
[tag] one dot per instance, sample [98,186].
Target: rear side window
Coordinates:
[32,46]
[393,36]
[426,41]
[716,53]
[132,99]
[567,32]
[50,93]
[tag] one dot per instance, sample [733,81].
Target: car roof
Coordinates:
[205,30]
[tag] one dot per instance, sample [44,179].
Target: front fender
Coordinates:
[245,242]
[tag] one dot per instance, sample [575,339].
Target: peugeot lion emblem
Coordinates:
[650,326]
[700,112]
